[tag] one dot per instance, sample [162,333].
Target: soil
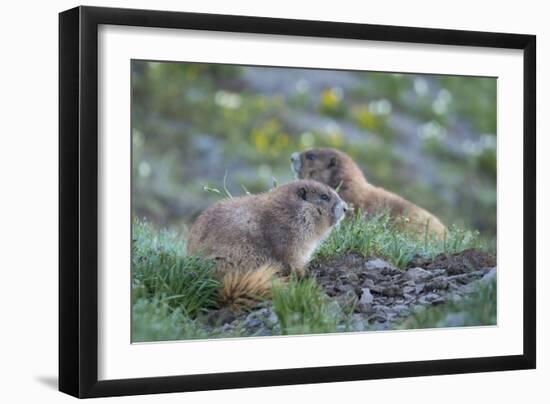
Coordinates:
[377,294]
[393,294]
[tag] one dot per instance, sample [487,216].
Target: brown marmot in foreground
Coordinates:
[254,237]
[336,169]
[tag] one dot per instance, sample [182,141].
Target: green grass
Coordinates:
[302,308]
[477,309]
[153,320]
[171,290]
[379,236]
[167,284]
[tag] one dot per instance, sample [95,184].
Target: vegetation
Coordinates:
[167,284]
[171,291]
[229,130]
[302,308]
[431,139]
[154,320]
[382,237]
[479,309]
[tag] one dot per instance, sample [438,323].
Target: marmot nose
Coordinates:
[294,157]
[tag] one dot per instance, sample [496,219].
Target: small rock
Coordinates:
[409,289]
[253,323]
[378,317]
[455,320]
[392,291]
[347,300]
[401,310]
[335,310]
[455,297]
[432,298]
[419,288]
[263,332]
[358,323]
[226,328]
[366,297]
[368,283]
[439,284]
[417,274]
[220,317]
[462,279]
[350,277]
[418,308]
[489,276]
[273,319]
[376,289]
[378,264]
[470,288]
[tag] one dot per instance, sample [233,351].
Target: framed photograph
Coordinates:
[251,201]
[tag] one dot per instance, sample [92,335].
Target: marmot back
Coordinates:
[336,169]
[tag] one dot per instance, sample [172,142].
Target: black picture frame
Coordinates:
[78,200]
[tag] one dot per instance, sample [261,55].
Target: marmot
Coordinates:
[339,171]
[253,237]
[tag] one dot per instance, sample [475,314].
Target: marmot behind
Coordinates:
[339,171]
[254,237]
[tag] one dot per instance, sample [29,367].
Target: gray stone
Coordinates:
[439,284]
[334,309]
[366,297]
[409,289]
[378,264]
[253,323]
[359,323]
[432,298]
[392,291]
[227,327]
[368,283]
[455,320]
[489,276]
[347,300]
[401,310]
[220,317]
[455,297]
[378,317]
[273,319]
[417,274]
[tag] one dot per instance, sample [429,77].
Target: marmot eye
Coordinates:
[325,197]
[310,156]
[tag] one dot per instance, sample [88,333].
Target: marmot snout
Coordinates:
[277,229]
[337,170]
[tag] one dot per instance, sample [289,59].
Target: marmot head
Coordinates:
[321,202]
[329,166]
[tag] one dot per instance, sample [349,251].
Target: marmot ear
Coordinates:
[302,193]
[332,162]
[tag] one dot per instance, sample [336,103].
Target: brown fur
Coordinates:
[244,288]
[339,171]
[254,237]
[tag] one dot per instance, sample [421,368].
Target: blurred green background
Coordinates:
[429,138]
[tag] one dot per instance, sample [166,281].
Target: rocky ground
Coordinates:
[375,294]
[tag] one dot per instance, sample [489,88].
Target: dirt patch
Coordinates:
[380,294]
[373,293]
[460,263]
